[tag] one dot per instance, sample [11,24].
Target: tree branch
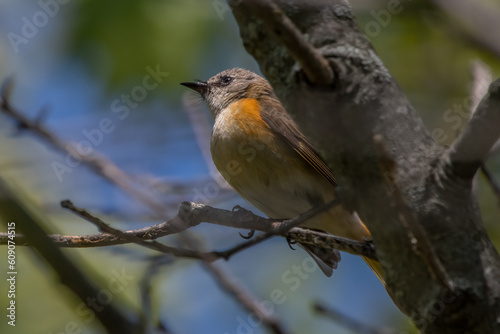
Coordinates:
[129,237]
[417,237]
[192,214]
[471,148]
[312,62]
[346,321]
[341,120]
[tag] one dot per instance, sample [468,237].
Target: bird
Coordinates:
[260,151]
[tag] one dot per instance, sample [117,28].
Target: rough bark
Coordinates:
[440,266]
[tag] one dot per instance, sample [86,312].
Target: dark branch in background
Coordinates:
[417,237]
[480,20]
[192,214]
[312,62]
[473,145]
[155,264]
[346,321]
[243,297]
[68,273]
[250,303]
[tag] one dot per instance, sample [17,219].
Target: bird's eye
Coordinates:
[225,80]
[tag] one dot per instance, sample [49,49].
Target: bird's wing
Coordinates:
[283,125]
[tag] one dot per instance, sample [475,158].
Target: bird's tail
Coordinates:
[376,268]
[326,259]
[373,264]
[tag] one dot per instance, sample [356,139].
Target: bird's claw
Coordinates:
[249,235]
[291,242]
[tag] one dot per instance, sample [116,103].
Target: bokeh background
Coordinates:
[76,64]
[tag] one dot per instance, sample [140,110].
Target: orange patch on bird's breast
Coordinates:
[245,115]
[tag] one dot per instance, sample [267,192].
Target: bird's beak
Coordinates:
[199,86]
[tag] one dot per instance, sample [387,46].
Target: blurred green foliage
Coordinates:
[121,38]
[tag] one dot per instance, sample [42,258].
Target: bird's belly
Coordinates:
[278,182]
[277,198]
[284,199]
[270,177]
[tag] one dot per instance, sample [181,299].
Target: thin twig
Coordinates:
[250,303]
[234,289]
[346,321]
[315,66]
[127,236]
[175,225]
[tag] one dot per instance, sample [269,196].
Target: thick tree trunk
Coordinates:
[414,195]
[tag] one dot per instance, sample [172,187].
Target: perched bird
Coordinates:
[261,153]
